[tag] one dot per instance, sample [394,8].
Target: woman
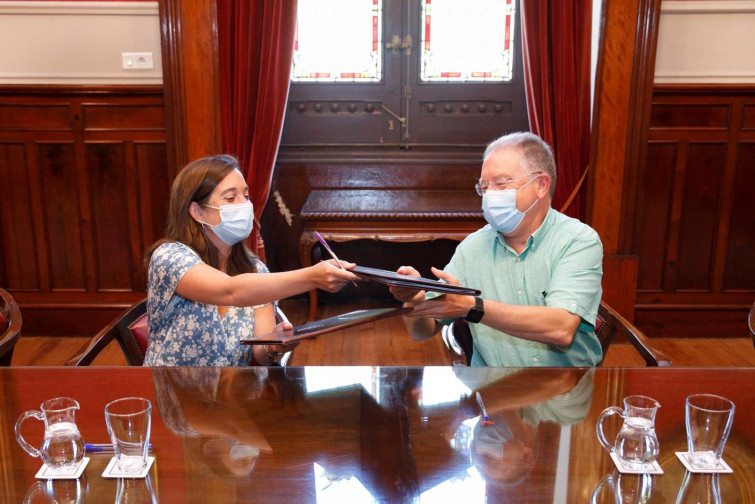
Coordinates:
[206,290]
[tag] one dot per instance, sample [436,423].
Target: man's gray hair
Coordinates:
[536,154]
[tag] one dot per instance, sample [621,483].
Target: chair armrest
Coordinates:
[87,353]
[9,335]
[651,355]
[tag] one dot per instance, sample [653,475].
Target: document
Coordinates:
[312,329]
[392,278]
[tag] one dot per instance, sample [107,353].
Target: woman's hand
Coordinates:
[407,294]
[328,276]
[281,349]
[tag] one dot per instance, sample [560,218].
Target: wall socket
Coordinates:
[138,61]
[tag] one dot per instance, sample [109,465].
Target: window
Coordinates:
[405,73]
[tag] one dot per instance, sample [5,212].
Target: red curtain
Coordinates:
[556,50]
[255,44]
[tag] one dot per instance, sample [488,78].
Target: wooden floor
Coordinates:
[386,343]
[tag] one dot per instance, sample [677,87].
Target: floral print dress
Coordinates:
[186,333]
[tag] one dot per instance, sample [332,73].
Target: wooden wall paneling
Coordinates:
[703,244]
[85,188]
[134,202]
[72,244]
[652,214]
[41,253]
[154,190]
[191,79]
[19,269]
[739,267]
[621,271]
[698,226]
[62,207]
[111,209]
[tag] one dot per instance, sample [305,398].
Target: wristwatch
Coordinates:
[475,314]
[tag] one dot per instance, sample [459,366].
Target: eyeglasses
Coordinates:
[500,184]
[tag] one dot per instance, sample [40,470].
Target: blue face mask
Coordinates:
[490,439]
[499,209]
[236,222]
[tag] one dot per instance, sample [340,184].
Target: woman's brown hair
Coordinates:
[195,182]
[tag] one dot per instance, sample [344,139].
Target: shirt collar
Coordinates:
[535,238]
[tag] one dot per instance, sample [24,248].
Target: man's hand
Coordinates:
[407,294]
[446,305]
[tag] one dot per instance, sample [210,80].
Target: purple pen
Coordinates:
[332,254]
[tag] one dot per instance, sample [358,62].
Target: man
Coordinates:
[538,270]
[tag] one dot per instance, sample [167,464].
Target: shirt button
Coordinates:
[518,259]
[519,292]
[534,359]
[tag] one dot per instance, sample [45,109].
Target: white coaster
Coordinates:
[649,468]
[722,466]
[47,472]
[112,471]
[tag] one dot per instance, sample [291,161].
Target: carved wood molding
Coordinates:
[191,80]
[623,92]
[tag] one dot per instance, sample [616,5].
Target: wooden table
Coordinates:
[371,434]
[406,216]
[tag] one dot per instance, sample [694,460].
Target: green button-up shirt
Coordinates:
[560,267]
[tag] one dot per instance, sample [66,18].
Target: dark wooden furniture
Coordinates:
[405,215]
[383,433]
[10,326]
[128,329]
[610,323]
[751,322]
[86,188]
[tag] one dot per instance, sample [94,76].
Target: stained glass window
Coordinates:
[338,41]
[467,41]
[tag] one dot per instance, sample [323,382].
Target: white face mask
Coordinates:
[236,222]
[499,209]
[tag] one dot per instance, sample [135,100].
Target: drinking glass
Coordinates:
[700,489]
[129,423]
[708,418]
[135,491]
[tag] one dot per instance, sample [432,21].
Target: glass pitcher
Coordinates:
[62,446]
[636,444]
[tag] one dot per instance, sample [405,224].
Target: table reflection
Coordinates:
[372,434]
[337,433]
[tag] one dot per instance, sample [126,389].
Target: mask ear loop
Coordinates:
[537,200]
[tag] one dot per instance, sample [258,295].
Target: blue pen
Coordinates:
[103,447]
[485,418]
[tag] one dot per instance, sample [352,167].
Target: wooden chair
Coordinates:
[10,326]
[751,323]
[130,330]
[610,322]
[458,337]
